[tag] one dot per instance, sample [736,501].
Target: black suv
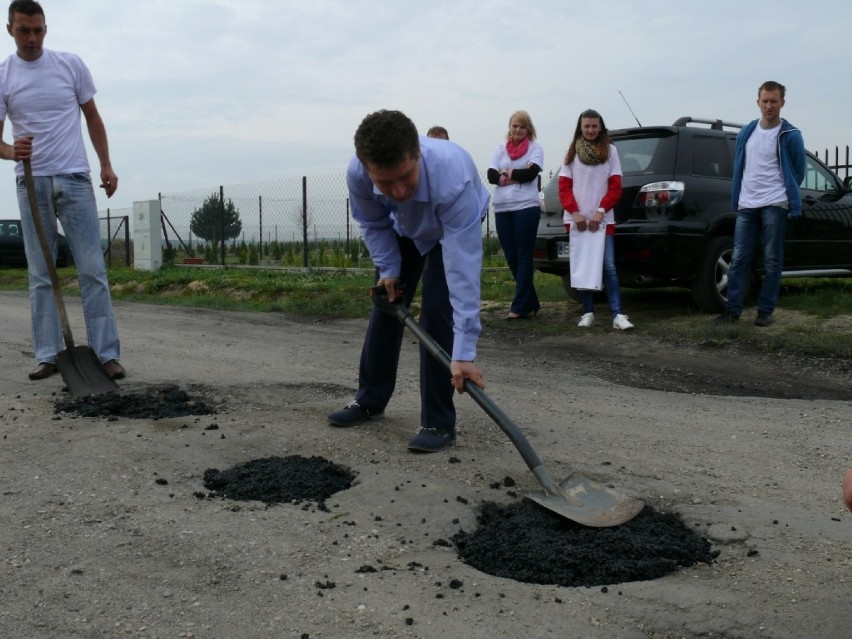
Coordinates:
[675,225]
[12,246]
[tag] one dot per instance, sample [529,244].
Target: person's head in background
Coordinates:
[438,132]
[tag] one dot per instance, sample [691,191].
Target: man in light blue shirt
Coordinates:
[420,203]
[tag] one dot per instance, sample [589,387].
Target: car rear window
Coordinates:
[709,157]
[647,154]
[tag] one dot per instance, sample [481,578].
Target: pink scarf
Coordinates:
[517,150]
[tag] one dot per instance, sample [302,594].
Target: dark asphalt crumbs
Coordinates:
[274,480]
[171,402]
[528,543]
[521,541]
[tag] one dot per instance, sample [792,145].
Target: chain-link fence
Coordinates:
[300,221]
[116,236]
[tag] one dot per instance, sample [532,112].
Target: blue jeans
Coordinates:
[380,353]
[771,223]
[71,198]
[610,279]
[516,231]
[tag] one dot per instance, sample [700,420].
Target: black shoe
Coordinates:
[727,318]
[763,319]
[114,370]
[517,316]
[432,440]
[353,414]
[44,370]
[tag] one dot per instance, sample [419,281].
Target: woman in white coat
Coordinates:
[589,188]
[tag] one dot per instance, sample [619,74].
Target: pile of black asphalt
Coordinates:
[156,404]
[531,544]
[272,480]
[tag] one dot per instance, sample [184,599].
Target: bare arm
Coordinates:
[20,149]
[97,133]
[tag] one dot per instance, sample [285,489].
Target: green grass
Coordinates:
[814,315]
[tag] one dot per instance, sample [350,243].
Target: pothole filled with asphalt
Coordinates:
[531,544]
[522,541]
[157,403]
[273,480]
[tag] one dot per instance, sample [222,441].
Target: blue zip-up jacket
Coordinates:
[791,158]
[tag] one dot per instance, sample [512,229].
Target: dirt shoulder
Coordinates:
[105,535]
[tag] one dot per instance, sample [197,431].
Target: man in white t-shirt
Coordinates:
[42,92]
[768,167]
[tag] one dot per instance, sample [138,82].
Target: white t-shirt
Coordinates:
[42,99]
[591,182]
[515,197]
[763,184]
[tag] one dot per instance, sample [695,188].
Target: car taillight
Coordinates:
[661,194]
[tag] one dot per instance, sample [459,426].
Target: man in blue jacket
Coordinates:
[420,203]
[768,168]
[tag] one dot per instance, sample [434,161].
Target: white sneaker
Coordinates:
[621,323]
[587,320]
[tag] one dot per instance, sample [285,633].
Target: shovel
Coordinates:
[577,498]
[81,370]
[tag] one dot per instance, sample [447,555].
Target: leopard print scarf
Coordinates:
[586,152]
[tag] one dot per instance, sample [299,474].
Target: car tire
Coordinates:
[710,287]
[572,293]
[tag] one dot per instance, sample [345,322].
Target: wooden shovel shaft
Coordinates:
[48,257]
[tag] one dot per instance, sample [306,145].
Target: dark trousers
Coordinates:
[380,354]
[516,231]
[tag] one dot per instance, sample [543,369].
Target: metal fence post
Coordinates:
[305,221]
[109,241]
[126,240]
[260,222]
[222,223]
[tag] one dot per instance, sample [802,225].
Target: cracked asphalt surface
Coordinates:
[103,534]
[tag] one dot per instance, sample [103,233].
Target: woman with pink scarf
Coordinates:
[514,171]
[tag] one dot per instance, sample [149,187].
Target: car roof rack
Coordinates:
[718,125]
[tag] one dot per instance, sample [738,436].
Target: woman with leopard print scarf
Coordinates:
[589,188]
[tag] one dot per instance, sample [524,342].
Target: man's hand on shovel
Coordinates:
[392,286]
[465,370]
[459,370]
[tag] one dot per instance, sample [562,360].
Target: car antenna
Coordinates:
[628,106]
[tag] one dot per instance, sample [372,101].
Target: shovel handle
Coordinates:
[48,258]
[401,312]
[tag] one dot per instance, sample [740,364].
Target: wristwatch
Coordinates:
[601,211]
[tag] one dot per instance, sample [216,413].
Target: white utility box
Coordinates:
[147,242]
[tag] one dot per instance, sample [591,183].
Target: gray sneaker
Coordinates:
[353,414]
[763,319]
[432,440]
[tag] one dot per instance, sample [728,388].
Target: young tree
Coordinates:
[207,222]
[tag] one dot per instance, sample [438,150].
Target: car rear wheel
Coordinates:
[710,288]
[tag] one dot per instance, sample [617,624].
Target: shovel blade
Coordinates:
[588,502]
[83,373]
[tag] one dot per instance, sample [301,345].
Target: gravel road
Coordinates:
[107,533]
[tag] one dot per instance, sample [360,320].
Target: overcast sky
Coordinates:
[198,93]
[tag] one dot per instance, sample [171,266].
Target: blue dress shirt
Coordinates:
[448,206]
